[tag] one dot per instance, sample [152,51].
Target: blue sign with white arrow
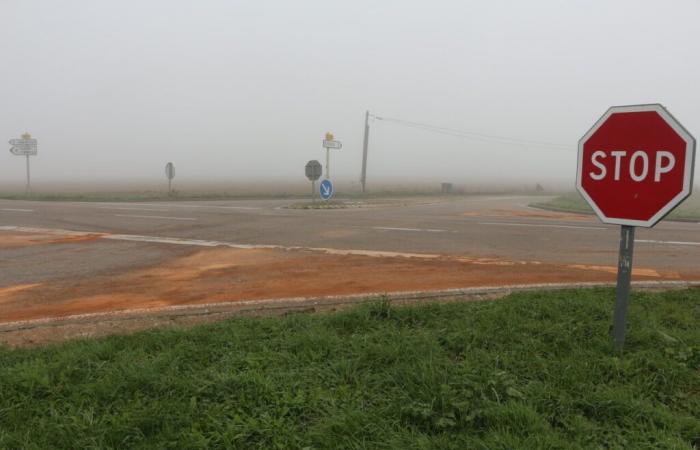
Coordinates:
[326,189]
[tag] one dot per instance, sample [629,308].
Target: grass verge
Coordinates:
[533,370]
[137,196]
[688,211]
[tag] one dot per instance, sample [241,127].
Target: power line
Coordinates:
[473,135]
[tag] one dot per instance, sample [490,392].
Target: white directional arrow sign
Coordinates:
[332,144]
[23,147]
[326,189]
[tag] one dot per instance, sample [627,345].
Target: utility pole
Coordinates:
[365,143]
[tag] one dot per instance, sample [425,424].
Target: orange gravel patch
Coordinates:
[225,274]
[14,240]
[503,213]
[338,233]
[635,271]
[8,293]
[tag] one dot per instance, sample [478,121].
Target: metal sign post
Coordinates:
[624,277]
[26,146]
[329,143]
[635,165]
[28,188]
[170,174]
[313,172]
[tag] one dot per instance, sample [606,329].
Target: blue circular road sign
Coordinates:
[326,189]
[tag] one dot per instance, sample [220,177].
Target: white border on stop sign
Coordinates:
[689,164]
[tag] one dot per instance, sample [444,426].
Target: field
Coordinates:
[301,191]
[136,196]
[533,370]
[573,202]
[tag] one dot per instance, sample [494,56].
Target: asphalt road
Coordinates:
[482,226]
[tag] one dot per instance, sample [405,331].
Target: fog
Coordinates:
[244,91]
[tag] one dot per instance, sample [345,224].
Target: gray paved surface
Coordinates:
[487,226]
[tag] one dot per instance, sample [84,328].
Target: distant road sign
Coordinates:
[313,170]
[23,147]
[332,144]
[326,189]
[170,171]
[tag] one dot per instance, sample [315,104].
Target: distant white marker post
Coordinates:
[26,146]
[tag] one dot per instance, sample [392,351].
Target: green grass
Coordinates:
[135,196]
[573,202]
[321,204]
[534,370]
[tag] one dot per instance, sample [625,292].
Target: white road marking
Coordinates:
[171,205]
[165,240]
[155,217]
[47,231]
[428,230]
[492,198]
[205,243]
[129,209]
[541,225]
[16,210]
[652,241]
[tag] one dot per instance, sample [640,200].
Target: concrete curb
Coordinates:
[282,305]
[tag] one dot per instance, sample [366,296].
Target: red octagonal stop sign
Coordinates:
[635,165]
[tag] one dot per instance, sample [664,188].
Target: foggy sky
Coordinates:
[235,90]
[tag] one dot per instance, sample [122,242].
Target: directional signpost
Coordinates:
[26,146]
[635,165]
[326,189]
[313,172]
[330,143]
[170,174]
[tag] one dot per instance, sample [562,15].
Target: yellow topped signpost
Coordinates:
[328,143]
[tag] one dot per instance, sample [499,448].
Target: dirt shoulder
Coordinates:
[206,277]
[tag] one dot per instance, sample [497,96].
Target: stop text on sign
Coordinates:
[636,163]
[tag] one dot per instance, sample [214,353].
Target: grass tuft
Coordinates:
[689,210]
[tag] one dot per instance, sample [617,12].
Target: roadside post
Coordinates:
[313,173]
[170,174]
[635,165]
[328,143]
[26,146]
[365,144]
